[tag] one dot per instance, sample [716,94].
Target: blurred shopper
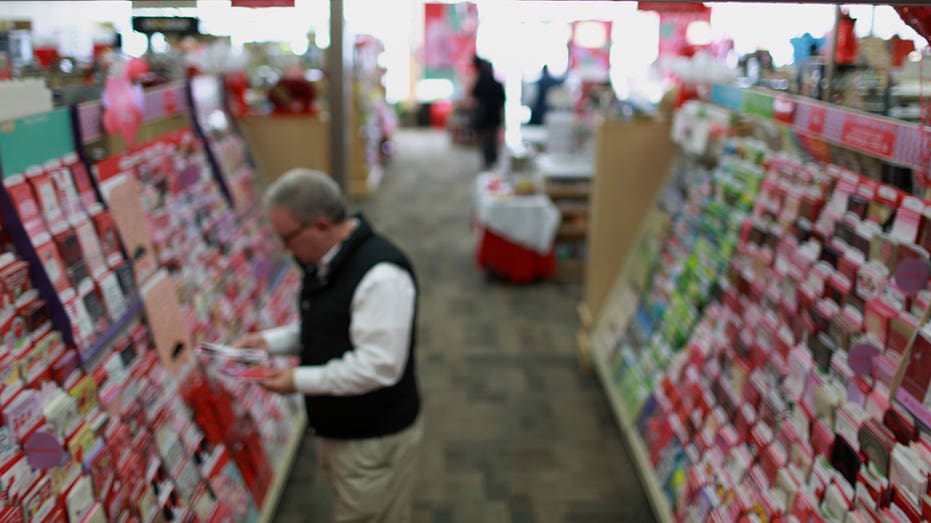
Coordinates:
[543,85]
[488,110]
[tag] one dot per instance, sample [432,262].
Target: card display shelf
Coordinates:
[283,468]
[617,312]
[632,160]
[661,509]
[72,131]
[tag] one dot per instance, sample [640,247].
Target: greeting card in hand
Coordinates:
[247,364]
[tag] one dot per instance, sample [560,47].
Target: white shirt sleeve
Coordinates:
[380,331]
[283,340]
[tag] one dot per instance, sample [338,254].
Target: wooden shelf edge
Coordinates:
[283,469]
[638,453]
[585,314]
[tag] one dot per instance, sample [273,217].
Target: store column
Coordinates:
[339,64]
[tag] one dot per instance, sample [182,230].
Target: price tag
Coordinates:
[43,451]
[912,275]
[860,358]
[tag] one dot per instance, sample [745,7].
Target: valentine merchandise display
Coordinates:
[55,219]
[780,373]
[110,275]
[216,279]
[107,441]
[695,232]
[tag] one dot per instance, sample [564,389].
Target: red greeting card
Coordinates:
[30,214]
[47,197]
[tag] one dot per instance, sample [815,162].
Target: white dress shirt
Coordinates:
[380,331]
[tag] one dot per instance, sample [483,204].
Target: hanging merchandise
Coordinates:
[675,18]
[847,46]
[123,106]
[918,17]
[449,40]
[590,50]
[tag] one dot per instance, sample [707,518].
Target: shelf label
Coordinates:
[872,137]
[758,104]
[860,358]
[171,101]
[783,109]
[727,96]
[912,275]
[816,118]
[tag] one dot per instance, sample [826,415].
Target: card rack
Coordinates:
[777,373]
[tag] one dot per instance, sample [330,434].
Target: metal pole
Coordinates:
[339,69]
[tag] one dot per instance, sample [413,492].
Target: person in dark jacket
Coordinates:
[546,82]
[488,115]
[356,341]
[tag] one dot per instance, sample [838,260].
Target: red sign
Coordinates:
[783,109]
[868,138]
[674,7]
[816,118]
[590,49]
[262,3]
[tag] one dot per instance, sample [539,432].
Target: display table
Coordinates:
[566,166]
[515,232]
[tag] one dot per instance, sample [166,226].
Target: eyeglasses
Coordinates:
[286,239]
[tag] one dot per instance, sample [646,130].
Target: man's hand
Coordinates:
[252,340]
[282,382]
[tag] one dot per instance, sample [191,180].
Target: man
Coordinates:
[356,341]
[546,82]
[488,96]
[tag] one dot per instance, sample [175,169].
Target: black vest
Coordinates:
[325,304]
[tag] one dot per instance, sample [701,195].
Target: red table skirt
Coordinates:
[513,262]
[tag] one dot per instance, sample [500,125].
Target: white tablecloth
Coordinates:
[566,166]
[529,221]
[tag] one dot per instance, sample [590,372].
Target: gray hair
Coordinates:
[308,195]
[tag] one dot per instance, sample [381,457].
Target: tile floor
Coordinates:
[515,431]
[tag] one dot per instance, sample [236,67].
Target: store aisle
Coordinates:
[515,431]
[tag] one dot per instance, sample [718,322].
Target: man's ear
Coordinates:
[322,223]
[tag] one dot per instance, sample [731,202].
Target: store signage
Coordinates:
[674,7]
[262,3]
[868,135]
[758,104]
[816,118]
[727,96]
[174,25]
[143,4]
[783,109]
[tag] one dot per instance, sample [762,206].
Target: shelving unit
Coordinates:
[661,510]
[571,197]
[283,468]
[632,160]
[139,348]
[693,344]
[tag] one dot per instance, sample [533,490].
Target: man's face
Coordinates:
[308,242]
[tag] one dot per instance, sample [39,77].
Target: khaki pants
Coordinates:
[372,479]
